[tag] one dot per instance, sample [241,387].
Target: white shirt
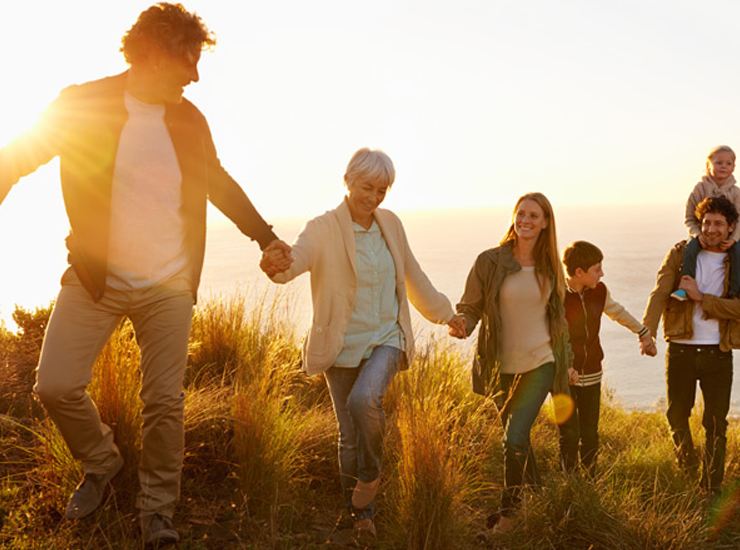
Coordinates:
[147,231]
[710,278]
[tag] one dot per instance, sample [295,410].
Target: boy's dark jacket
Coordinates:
[583,312]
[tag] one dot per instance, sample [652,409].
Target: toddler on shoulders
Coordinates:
[717,182]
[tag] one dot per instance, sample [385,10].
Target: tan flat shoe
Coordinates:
[364,493]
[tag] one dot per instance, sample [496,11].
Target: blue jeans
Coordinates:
[712,368]
[524,394]
[357,395]
[581,429]
[688,266]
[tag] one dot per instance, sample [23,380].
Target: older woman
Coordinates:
[361,269]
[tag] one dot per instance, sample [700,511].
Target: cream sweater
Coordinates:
[326,248]
[525,331]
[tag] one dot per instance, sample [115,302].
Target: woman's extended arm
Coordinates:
[304,253]
[472,301]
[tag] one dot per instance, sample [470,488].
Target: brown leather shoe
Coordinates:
[364,493]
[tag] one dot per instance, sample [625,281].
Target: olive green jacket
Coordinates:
[480,302]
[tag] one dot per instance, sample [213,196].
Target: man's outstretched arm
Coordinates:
[34,148]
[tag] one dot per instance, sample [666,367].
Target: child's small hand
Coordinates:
[573,376]
[702,241]
[726,245]
[651,350]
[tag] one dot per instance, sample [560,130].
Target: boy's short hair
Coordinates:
[581,254]
[717,205]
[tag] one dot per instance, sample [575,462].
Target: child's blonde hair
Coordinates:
[719,149]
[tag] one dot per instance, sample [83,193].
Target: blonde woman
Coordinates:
[363,275]
[516,290]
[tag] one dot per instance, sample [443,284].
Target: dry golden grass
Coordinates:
[261,473]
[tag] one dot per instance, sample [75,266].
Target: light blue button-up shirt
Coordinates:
[374,320]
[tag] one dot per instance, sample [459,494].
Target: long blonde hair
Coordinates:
[547,258]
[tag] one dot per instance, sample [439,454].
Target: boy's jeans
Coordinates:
[581,429]
[357,395]
[688,267]
[524,394]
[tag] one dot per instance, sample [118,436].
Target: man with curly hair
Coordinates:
[701,334]
[137,167]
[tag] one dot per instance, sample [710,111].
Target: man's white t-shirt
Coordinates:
[147,231]
[710,278]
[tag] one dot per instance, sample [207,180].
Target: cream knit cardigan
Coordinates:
[326,248]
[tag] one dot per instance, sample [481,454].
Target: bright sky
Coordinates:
[475,101]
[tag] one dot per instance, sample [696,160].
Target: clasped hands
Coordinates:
[647,345]
[458,327]
[276,258]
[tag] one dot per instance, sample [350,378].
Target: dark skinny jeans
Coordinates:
[581,431]
[712,368]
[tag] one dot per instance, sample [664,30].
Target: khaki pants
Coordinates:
[77,331]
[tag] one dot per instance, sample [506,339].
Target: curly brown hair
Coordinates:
[169,28]
[717,205]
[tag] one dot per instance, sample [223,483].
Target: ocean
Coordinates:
[634,240]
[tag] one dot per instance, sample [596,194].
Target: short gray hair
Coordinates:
[371,165]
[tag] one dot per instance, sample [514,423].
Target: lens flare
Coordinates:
[563,407]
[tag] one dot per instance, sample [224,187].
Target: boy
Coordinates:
[585,300]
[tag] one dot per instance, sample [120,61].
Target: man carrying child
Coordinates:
[701,333]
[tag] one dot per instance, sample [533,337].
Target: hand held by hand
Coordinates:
[276,258]
[457,327]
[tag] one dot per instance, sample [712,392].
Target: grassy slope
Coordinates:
[260,468]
